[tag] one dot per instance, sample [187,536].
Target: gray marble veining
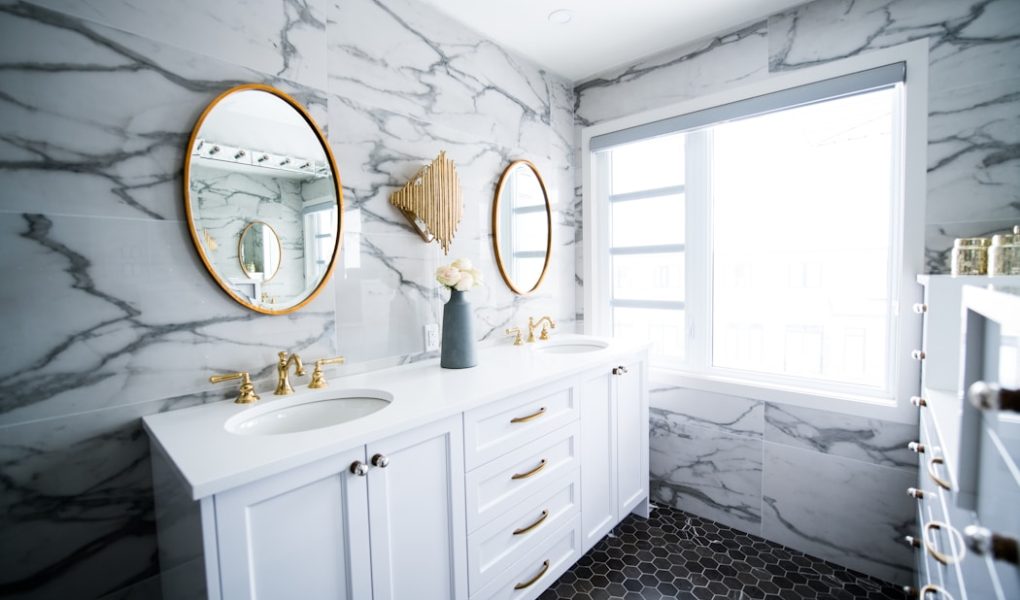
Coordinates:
[728,414]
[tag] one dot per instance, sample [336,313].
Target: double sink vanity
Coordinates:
[409,482]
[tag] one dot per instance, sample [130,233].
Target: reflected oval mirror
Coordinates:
[263,199]
[522,227]
[259,251]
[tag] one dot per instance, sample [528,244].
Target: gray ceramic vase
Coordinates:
[458,333]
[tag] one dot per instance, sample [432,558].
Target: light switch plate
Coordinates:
[432,337]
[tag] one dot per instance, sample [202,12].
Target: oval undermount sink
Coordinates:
[307,415]
[571,346]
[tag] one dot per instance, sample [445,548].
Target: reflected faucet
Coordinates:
[283,387]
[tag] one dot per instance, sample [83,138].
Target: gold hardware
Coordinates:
[986,396]
[533,325]
[336,188]
[516,332]
[984,542]
[915,493]
[538,413]
[380,460]
[920,308]
[497,231]
[531,582]
[433,198]
[545,515]
[912,541]
[917,354]
[283,387]
[931,588]
[918,401]
[621,370]
[942,483]
[318,377]
[526,474]
[246,394]
[916,447]
[251,272]
[359,468]
[946,559]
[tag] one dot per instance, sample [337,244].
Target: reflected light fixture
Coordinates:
[561,16]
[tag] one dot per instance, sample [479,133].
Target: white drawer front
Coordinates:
[501,484]
[509,537]
[495,429]
[531,575]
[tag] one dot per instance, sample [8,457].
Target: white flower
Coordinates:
[448,275]
[477,274]
[467,281]
[462,263]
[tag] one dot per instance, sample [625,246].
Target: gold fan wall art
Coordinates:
[431,201]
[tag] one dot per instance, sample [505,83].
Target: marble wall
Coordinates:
[747,463]
[107,312]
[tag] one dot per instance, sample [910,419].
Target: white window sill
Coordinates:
[872,407]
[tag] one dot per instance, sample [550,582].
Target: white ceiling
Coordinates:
[602,33]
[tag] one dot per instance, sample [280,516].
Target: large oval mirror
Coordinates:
[263,199]
[522,227]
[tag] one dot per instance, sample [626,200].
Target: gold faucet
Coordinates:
[246,394]
[533,325]
[318,378]
[283,387]
[516,332]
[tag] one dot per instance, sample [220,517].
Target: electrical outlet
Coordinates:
[431,337]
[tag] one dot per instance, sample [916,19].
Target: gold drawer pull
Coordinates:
[946,559]
[526,474]
[531,582]
[538,413]
[942,483]
[545,515]
[931,588]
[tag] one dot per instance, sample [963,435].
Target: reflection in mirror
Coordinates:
[259,251]
[522,227]
[263,199]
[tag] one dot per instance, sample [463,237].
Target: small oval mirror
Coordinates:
[522,227]
[259,251]
[260,178]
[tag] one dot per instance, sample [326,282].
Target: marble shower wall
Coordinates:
[108,314]
[827,484]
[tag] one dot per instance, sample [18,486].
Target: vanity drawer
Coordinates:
[527,578]
[511,536]
[495,429]
[499,485]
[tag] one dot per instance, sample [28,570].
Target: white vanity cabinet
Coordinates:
[614,447]
[495,493]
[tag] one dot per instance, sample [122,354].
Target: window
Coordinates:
[759,241]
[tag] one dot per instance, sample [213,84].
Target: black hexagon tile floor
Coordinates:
[677,555]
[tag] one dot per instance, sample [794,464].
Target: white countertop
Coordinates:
[211,459]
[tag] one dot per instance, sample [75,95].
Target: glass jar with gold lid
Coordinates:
[1004,253]
[970,256]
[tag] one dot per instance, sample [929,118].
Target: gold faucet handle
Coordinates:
[246,394]
[318,377]
[516,332]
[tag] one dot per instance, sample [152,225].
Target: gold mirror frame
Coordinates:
[186,184]
[495,226]
[240,244]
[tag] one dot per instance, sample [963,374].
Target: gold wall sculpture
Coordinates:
[431,201]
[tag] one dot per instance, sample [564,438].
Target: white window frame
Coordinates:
[908,251]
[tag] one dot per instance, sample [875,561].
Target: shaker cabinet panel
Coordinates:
[301,534]
[416,498]
[632,438]
[598,458]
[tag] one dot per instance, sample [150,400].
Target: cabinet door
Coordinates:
[301,534]
[416,514]
[632,437]
[598,458]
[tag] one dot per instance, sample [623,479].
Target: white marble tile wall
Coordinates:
[827,484]
[108,314]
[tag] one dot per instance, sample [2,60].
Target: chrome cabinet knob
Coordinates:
[918,401]
[920,308]
[915,493]
[912,541]
[359,468]
[917,447]
[917,355]
[982,541]
[988,396]
[621,370]
[381,461]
